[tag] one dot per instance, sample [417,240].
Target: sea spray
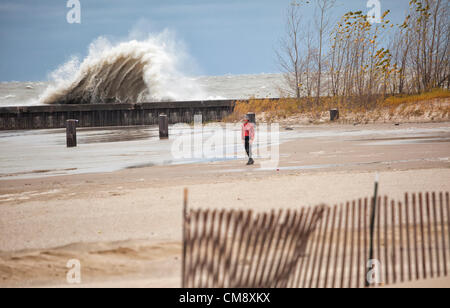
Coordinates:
[127,72]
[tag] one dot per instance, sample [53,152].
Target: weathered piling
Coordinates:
[71,133]
[198,119]
[252,117]
[163,127]
[334,114]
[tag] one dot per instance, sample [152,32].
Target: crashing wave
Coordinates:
[128,72]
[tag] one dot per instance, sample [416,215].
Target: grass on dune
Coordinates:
[423,97]
[286,107]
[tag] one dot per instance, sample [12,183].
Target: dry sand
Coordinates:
[125,226]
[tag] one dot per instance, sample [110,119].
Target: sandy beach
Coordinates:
[125,225]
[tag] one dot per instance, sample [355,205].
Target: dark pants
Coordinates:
[248,147]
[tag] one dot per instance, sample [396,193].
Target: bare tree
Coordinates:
[289,54]
[323,25]
[309,61]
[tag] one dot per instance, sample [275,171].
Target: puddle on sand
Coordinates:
[42,153]
[32,154]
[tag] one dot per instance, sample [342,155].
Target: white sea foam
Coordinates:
[149,69]
[8,97]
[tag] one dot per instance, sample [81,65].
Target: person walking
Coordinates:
[248,136]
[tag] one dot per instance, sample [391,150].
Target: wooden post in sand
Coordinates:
[198,118]
[71,133]
[334,114]
[183,240]
[372,231]
[252,117]
[163,126]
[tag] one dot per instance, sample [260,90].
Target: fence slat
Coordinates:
[294,251]
[352,245]
[262,251]
[341,210]
[386,246]
[447,198]
[229,256]
[245,235]
[401,247]
[444,248]
[193,260]
[366,238]
[422,233]
[416,240]
[347,209]
[223,248]
[358,262]
[321,226]
[282,275]
[379,253]
[322,251]
[303,269]
[330,246]
[394,255]
[309,255]
[436,235]
[408,241]
[430,239]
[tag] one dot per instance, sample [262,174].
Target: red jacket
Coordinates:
[250,129]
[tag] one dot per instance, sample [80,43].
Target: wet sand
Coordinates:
[125,225]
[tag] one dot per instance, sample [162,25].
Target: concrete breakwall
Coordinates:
[101,115]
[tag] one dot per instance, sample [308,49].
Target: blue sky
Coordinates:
[224,37]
